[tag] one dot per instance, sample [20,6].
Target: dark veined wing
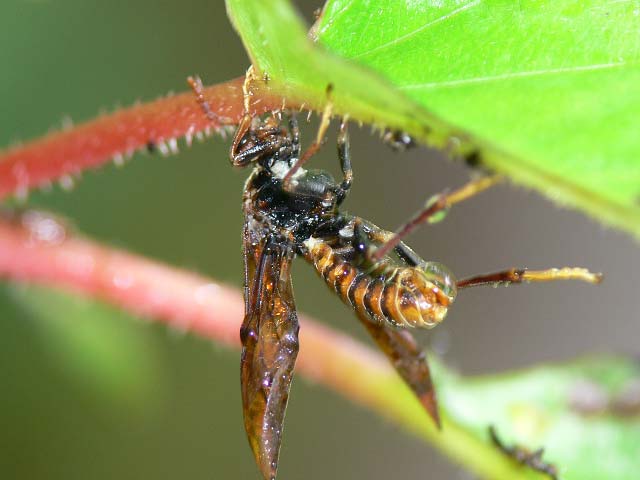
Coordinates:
[409,360]
[269,336]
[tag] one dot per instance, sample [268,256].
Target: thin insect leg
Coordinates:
[245,123]
[295,133]
[367,235]
[433,207]
[407,254]
[398,140]
[198,90]
[522,275]
[314,147]
[344,154]
[246,89]
[380,236]
[243,158]
[523,456]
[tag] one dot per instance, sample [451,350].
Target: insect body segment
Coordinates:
[388,292]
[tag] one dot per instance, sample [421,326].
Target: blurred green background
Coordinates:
[128,399]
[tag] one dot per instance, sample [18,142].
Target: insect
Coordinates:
[291,211]
[523,456]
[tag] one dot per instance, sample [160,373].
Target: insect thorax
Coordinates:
[297,211]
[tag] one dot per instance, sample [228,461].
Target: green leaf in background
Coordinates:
[544,91]
[100,348]
[586,414]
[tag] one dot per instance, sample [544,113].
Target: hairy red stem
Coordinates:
[36,248]
[154,125]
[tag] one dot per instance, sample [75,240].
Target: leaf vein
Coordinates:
[336,15]
[412,33]
[510,75]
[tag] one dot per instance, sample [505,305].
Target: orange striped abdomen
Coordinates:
[397,294]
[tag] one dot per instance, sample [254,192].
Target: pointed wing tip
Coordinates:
[436,419]
[266,459]
[269,473]
[430,404]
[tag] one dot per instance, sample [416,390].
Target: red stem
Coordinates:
[120,134]
[36,248]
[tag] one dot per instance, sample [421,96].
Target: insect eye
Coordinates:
[441,277]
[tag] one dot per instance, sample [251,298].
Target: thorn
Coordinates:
[21,194]
[162,148]
[46,186]
[118,160]
[188,137]
[67,123]
[66,182]
[173,145]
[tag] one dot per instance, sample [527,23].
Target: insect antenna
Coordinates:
[522,275]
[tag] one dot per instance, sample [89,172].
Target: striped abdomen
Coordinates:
[396,294]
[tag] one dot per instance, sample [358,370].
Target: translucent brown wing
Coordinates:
[409,360]
[269,337]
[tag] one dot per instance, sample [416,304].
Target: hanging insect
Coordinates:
[291,211]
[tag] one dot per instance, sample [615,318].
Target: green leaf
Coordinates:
[541,408]
[544,407]
[97,346]
[546,92]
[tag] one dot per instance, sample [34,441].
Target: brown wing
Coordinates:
[400,346]
[269,337]
[409,360]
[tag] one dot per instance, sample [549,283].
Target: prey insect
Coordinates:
[291,211]
[523,456]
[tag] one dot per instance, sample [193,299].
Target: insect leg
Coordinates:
[522,275]
[245,123]
[398,140]
[295,133]
[437,204]
[523,456]
[315,146]
[407,254]
[344,154]
[241,159]
[198,90]
[366,230]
